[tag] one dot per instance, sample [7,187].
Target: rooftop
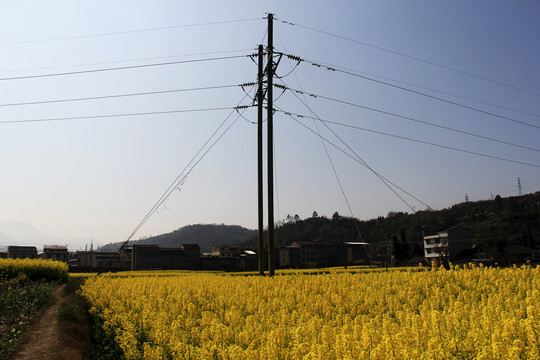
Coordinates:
[55,247]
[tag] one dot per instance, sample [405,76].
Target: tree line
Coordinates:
[495,224]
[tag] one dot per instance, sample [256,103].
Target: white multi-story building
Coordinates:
[447,244]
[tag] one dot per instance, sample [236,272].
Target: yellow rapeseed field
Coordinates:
[34,269]
[472,313]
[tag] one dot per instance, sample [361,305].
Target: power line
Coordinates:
[324,146]
[415,58]
[416,140]
[115,115]
[185,172]
[337,67]
[129,60]
[364,163]
[124,67]
[120,95]
[336,175]
[298,61]
[128,31]
[410,119]
[361,161]
[358,159]
[420,93]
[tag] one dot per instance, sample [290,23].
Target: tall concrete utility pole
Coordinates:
[270,154]
[260,97]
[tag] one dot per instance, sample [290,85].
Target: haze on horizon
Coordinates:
[77,174]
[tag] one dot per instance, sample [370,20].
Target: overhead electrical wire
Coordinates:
[415,140]
[382,178]
[418,93]
[181,177]
[409,118]
[276,182]
[188,168]
[413,58]
[245,118]
[120,95]
[364,163]
[336,175]
[355,158]
[123,67]
[265,34]
[385,181]
[67,118]
[128,60]
[292,71]
[337,67]
[129,31]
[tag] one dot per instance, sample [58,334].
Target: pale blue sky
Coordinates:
[97,178]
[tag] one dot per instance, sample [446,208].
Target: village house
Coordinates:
[229,258]
[448,244]
[147,257]
[517,253]
[22,252]
[226,251]
[81,261]
[307,254]
[55,252]
[95,261]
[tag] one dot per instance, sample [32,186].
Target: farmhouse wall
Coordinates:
[22,252]
[147,257]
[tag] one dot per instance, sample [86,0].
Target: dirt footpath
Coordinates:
[44,339]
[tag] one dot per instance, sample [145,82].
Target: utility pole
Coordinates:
[519,187]
[260,96]
[270,154]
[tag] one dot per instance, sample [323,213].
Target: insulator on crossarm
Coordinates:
[294,57]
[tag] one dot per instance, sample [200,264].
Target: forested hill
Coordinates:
[204,235]
[494,223]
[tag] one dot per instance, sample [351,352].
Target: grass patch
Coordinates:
[20,301]
[74,324]
[83,337]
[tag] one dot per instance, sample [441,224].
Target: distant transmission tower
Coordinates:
[519,187]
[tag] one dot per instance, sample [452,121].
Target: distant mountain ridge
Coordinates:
[22,233]
[205,235]
[495,224]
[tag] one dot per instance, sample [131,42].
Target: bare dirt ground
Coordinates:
[46,338]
